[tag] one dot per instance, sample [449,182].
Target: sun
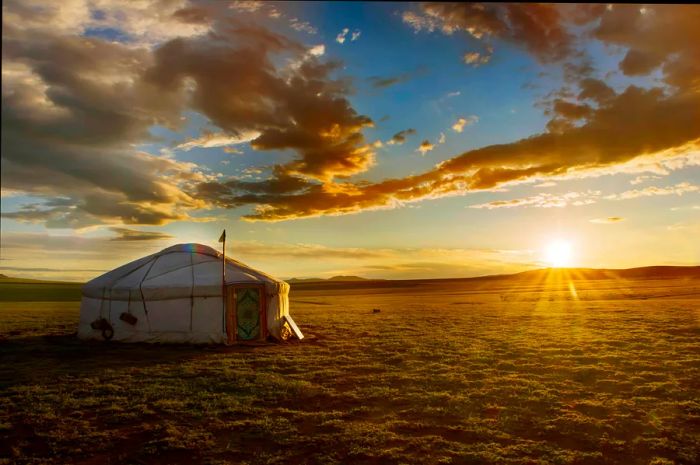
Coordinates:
[558,253]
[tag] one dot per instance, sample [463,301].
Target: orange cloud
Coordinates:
[476,59]
[425,147]
[80,104]
[632,125]
[462,122]
[593,132]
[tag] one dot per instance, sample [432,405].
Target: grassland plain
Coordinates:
[547,372]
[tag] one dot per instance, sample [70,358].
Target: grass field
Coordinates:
[552,371]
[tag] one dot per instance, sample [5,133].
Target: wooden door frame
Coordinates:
[231,318]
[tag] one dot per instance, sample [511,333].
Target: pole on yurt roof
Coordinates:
[222,239]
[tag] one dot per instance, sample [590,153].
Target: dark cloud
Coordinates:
[382,82]
[665,36]
[596,90]
[400,137]
[300,107]
[425,147]
[124,234]
[73,109]
[538,28]
[379,82]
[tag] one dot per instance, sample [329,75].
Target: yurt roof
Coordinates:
[192,269]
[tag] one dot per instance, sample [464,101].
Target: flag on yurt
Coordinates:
[223,236]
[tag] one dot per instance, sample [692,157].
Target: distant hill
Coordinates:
[334,278]
[304,280]
[645,272]
[525,277]
[4,279]
[348,278]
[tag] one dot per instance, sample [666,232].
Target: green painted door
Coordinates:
[248,314]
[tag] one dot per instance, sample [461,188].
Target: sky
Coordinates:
[385,140]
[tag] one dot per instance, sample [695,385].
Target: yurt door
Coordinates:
[245,311]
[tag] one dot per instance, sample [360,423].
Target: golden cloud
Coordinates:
[462,122]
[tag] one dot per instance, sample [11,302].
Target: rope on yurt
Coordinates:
[102,302]
[169,271]
[143,298]
[192,290]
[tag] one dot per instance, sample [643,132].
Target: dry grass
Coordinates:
[479,372]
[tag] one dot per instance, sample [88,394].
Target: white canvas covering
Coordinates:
[176,296]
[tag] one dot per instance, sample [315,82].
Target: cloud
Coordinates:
[23,270]
[342,35]
[544,201]
[89,255]
[586,198]
[302,26]
[95,255]
[425,147]
[643,178]
[260,250]
[689,228]
[77,107]
[400,137]
[678,189]
[74,108]
[340,38]
[476,59]
[379,82]
[211,139]
[124,234]
[299,108]
[386,262]
[662,37]
[317,50]
[688,207]
[249,6]
[539,29]
[383,82]
[637,128]
[608,220]
[462,122]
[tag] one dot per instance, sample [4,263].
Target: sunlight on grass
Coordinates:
[512,372]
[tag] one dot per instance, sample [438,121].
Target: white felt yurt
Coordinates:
[178,295]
